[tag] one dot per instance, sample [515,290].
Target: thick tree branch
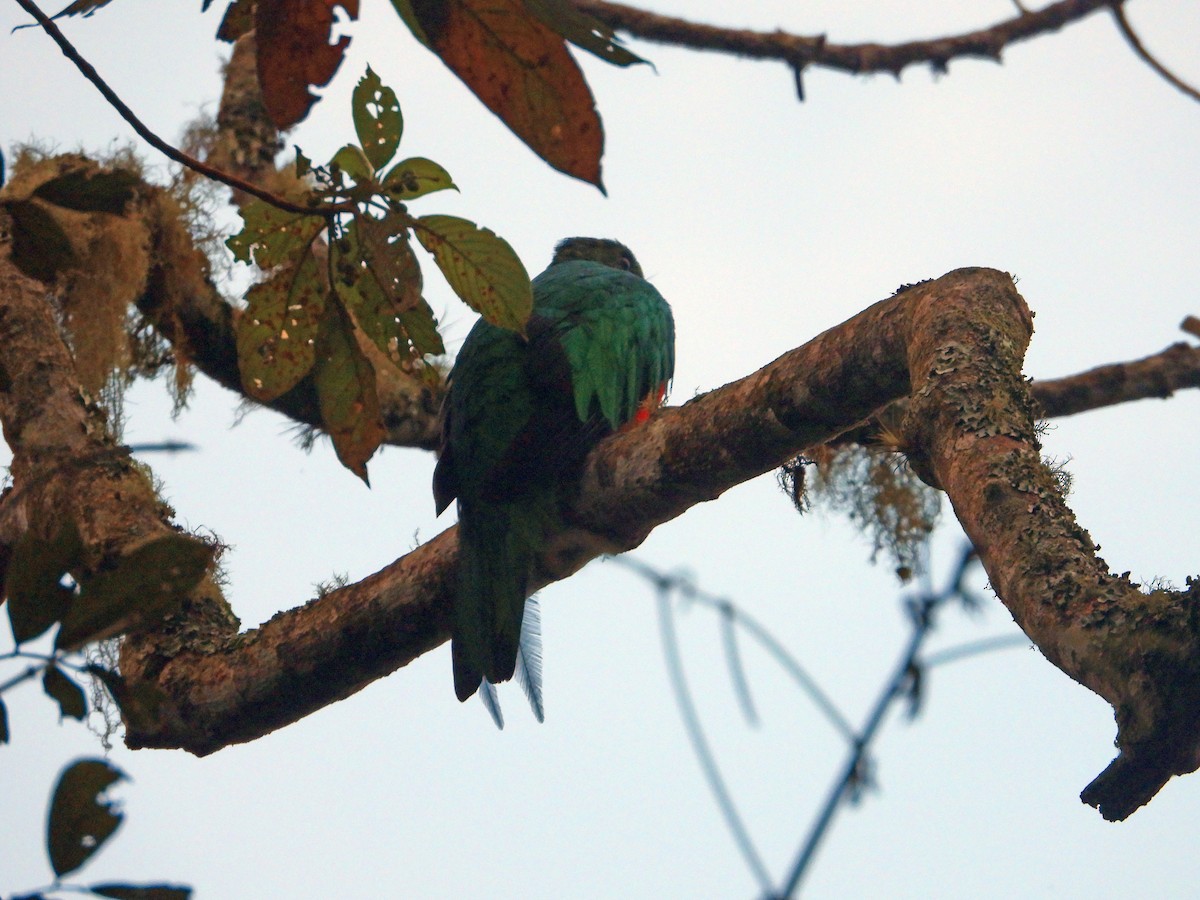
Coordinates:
[802,51]
[970,428]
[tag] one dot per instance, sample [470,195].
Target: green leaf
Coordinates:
[4,735]
[420,327]
[107,192]
[303,164]
[345,381]
[405,11]
[351,160]
[140,590]
[36,597]
[277,330]
[70,697]
[137,704]
[81,820]
[584,31]
[416,177]
[377,119]
[142,892]
[271,237]
[481,268]
[40,248]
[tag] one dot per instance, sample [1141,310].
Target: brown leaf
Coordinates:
[523,72]
[294,52]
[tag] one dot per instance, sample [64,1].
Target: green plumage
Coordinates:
[520,417]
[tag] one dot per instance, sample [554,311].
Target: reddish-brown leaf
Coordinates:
[294,53]
[523,72]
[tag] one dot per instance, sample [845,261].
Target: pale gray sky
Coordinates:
[763,221]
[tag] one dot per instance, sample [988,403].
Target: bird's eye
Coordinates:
[626,264]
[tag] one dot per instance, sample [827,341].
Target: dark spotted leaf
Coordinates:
[481,268]
[142,892]
[379,280]
[107,192]
[271,237]
[294,53]
[40,248]
[416,177]
[522,71]
[81,819]
[377,119]
[277,331]
[140,590]
[36,596]
[71,700]
[346,392]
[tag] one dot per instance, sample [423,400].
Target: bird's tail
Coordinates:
[498,543]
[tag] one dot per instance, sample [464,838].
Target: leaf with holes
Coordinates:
[271,237]
[276,333]
[33,584]
[81,820]
[522,71]
[294,53]
[584,31]
[345,381]
[142,588]
[377,119]
[416,177]
[481,268]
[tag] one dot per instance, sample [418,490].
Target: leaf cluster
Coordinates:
[333,309]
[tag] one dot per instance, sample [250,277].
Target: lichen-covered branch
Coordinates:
[800,51]
[956,346]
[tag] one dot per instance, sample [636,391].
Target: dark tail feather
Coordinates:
[496,550]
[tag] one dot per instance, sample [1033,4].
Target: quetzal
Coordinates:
[520,417]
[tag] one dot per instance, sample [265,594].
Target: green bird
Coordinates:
[520,417]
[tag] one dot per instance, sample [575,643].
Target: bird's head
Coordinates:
[601,250]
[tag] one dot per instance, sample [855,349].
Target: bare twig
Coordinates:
[1118,11]
[801,51]
[89,72]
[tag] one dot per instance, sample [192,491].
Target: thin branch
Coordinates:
[922,624]
[760,633]
[803,51]
[1118,11]
[89,72]
[691,721]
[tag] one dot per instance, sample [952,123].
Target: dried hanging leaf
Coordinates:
[294,53]
[522,71]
